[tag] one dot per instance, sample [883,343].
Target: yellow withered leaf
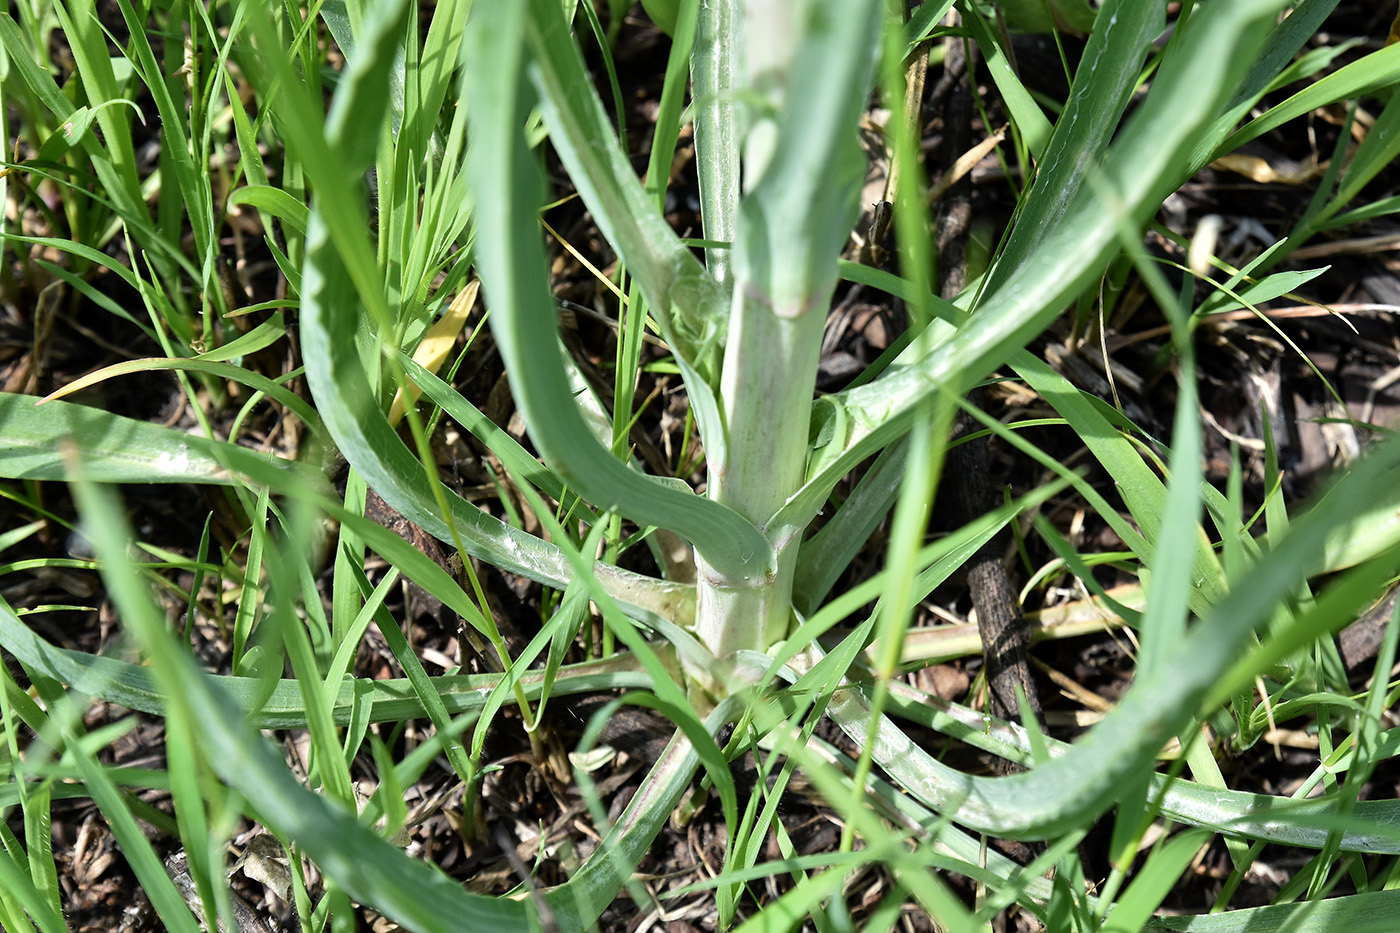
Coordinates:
[436,345]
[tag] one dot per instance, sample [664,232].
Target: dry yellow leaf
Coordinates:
[436,345]
[1260,170]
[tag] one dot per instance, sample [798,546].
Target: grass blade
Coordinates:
[513,265]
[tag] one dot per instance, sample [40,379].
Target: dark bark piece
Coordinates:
[1359,641]
[1005,634]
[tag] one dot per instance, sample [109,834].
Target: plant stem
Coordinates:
[770,368]
[806,80]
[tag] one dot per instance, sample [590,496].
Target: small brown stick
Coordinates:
[1005,633]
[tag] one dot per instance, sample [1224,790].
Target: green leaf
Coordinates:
[1256,293]
[1154,882]
[663,13]
[1103,85]
[212,367]
[690,306]
[118,450]
[136,687]
[19,890]
[274,201]
[1371,912]
[512,264]
[519,463]
[74,128]
[1376,70]
[1024,111]
[1084,781]
[1145,162]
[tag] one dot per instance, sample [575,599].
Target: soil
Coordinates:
[524,810]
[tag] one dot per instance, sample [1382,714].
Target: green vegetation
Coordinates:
[448,117]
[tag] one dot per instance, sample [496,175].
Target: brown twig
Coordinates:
[1005,634]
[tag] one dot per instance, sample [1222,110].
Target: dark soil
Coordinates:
[1247,366]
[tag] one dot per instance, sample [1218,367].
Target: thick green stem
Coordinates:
[770,368]
[745,614]
[807,72]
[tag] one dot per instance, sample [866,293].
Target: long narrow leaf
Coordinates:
[1068,789]
[135,687]
[513,266]
[1142,167]
[689,303]
[119,450]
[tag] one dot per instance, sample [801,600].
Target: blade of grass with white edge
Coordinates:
[1370,912]
[333,292]
[111,440]
[119,450]
[394,700]
[1060,793]
[1282,820]
[273,202]
[1142,165]
[132,687]
[513,267]
[689,305]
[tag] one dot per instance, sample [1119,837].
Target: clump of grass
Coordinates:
[746,631]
